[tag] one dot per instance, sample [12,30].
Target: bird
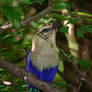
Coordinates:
[43,58]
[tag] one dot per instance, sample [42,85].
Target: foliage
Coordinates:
[16,84]
[83,63]
[64,29]
[14,45]
[59,5]
[85,28]
[32,1]
[13,14]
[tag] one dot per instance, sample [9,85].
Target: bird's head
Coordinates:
[48,29]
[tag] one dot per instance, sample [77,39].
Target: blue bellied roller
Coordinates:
[43,59]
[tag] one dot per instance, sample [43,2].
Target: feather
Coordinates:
[42,61]
[46,75]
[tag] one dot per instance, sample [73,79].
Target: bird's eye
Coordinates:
[44,30]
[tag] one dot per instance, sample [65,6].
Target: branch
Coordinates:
[81,77]
[27,77]
[33,18]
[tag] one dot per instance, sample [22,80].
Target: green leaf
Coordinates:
[72,21]
[25,1]
[28,1]
[85,28]
[87,19]
[59,16]
[32,1]
[64,29]
[3,49]
[8,35]
[84,14]
[5,54]
[81,34]
[83,63]
[8,2]
[41,1]
[20,34]
[59,5]
[8,39]
[13,14]
[26,42]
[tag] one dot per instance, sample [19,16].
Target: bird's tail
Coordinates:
[34,90]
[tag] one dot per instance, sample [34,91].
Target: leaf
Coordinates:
[83,63]
[72,21]
[8,39]
[25,1]
[26,42]
[8,2]
[3,49]
[84,14]
[59,5]
[43,20]
[8,35]
[59,16]
[87,19]
[20,34]
[41,1]
[13,14]
[81,34]
[85,28]
[5,54]
[64,29]
[32,1]
[29,2]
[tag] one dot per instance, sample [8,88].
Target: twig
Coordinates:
[67,57]
[81,77]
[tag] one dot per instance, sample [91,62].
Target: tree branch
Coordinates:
[27,77]
[81,76]
[33,18]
